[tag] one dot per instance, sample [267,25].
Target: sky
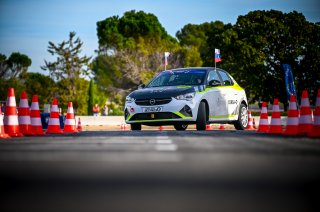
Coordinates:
[26,26]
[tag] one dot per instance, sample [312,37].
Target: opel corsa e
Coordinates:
[185,96]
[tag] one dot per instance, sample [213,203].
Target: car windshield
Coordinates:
[178,77]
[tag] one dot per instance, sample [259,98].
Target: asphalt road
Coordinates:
[160,171]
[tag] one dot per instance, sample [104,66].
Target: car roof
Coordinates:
[193,68]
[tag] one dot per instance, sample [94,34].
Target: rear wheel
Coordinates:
[180,126]
[135,126]
[202,117]
[242,122]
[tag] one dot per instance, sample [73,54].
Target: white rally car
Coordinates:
[180,97]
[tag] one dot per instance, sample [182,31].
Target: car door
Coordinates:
[231,95]
[216,98]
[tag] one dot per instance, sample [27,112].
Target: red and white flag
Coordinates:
[217,57]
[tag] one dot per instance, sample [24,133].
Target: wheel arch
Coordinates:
[207,108]
[245,103]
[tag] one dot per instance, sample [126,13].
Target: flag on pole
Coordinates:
[166,56]
[289,81]
[217,57]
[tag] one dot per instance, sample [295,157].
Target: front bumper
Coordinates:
[174,111]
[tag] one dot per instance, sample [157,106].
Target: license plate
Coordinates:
[151,109]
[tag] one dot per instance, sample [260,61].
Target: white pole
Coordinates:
[215,63]
[166,56]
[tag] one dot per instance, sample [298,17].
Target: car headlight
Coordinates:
[129,99]
[188,96]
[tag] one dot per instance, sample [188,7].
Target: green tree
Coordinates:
[11,83]
[12,73]
[307,66]
[69,64]
[18,64]
[192,35]
[80,103]
[15,66]
[131,52]
[203,39]
[276,38]
[3,65]
[255,48]
[41,85]
[68,70]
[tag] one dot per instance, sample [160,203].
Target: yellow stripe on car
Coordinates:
[181,115]
[222,117]
[235,87]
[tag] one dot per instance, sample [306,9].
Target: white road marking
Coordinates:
[167,141]
[162,137]
[166,147]
[163,143]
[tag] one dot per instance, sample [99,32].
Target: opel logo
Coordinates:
[152,101]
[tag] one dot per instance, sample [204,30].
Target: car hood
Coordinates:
[162,92]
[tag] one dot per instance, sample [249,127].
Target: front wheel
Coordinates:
[180,126]
[242,122]
[202,117]
[135,126]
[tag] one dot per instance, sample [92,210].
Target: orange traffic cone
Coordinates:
[70,122]
[208,127]
[54,122]
[250,123]
[275,125]
[221,127]
[2,133]
[24,115]
[11,123]
[79,127]
[293,118]
[123,126]
[264,122]
[305,119]
[36,126]
[315,132]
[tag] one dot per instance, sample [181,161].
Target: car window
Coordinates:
[179,77]
[212,76]
[158,81]
[225,78]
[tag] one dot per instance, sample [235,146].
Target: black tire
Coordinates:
[180,126]
[135,126]
[202,117]
[242,122]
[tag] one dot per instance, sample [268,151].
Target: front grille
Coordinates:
[156,101]
[154,116]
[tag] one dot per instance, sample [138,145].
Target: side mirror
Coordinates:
[214,83]
[141,86]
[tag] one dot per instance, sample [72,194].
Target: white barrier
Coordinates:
[100,120]
[118,120]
